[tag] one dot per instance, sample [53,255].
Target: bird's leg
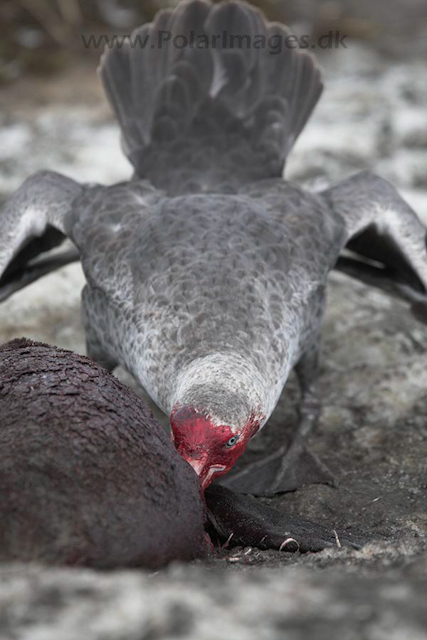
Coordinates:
[289,467]
[95,347]
[298,465]
[98,354]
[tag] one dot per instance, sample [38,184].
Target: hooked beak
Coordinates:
[204,472]
[198,464]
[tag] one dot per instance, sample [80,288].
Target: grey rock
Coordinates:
[196,604]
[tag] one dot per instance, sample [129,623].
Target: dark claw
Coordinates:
[255,524]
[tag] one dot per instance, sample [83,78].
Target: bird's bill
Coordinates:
[204,470]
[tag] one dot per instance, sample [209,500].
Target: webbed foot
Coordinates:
[282,471]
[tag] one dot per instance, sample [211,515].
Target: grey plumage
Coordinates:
[203,119]
[200,274]
[206,273]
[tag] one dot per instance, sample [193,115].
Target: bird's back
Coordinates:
[191,275]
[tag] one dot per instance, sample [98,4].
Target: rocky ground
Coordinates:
[372,434]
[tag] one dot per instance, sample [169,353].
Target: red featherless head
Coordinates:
[210,449]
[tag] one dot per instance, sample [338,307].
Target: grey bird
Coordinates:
[206,272]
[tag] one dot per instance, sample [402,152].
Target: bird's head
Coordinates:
[210,448]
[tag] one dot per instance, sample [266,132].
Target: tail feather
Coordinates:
[185,111]
[118,87]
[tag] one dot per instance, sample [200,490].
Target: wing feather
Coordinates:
[385,237]
[33,221]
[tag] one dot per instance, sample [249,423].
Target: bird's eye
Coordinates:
[232,441]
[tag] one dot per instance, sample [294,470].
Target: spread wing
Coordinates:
[385,241]
[32,222]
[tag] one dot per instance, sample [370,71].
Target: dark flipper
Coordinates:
[254,524]
[289,468]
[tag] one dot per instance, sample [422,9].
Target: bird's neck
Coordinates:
[224,386]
